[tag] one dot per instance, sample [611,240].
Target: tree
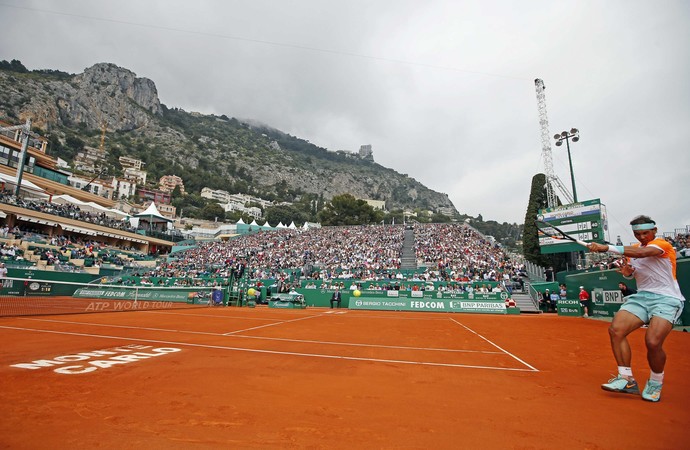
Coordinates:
[213,211]
[15,65]
[347,210]
[285,214]
[234,216]
[440,218]
[530,239]
[74,143]
[396,215]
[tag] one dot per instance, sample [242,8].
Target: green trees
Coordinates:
[530,238]
[190,205]
[212,211]
[15,66]
[285,214]
[347,210]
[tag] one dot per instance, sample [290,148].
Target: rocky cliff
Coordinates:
[204,150]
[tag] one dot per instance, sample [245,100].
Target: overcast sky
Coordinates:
[442,90]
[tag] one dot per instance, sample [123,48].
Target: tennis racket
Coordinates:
[556,233]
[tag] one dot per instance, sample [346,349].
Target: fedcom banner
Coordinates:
[140,294]
[428,304]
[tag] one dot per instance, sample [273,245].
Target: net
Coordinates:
[27,297]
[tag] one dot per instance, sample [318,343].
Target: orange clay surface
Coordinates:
[318,378]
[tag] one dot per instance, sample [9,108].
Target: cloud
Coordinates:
[443,90]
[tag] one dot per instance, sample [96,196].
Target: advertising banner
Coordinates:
[496,306]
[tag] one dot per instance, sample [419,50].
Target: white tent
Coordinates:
[87,206]
[292,225]
[30,189]
[152,216]
[240,222]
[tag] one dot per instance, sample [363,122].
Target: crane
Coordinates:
[552,180]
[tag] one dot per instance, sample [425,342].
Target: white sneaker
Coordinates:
[585,316]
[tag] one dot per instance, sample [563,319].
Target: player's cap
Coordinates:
[547,290]
[582,287]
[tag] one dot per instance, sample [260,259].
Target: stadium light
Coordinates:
[566,136]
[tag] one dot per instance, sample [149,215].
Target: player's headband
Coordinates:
[644,226]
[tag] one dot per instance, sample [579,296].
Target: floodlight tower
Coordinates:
[25,133]
[552,181]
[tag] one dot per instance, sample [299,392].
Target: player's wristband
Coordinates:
[616,249]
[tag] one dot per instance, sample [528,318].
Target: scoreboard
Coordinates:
[585,221]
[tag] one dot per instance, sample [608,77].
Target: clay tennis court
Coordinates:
[321,378]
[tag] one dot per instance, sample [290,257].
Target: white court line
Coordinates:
[351,313]
[206,315]
[107,325]
[269,325]
[505,351]
[263,338]
[272,352]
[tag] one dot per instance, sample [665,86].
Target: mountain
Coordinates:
[74,110]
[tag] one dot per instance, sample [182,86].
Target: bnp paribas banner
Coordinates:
[461,303]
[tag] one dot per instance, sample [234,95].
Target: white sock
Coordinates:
[658,377]
[625,372]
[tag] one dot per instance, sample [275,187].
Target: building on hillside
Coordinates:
[159,197]
[90,160]
[252,211]
[217,195]
[123,188]
[132,169]
[376,204]
[365,152]
[167,183]
[128,162]
[96,186]
[447,210]
[135,175]
[239,202]
[244,199]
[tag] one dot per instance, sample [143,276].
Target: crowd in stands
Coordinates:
[681,242]
[452,253]
[347,252]
[60,250]
[10,252]
[66,210]
[460,253]
[455,254]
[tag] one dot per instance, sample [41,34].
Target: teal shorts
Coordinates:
[646,305]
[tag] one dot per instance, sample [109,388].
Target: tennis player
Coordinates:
[657,303]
